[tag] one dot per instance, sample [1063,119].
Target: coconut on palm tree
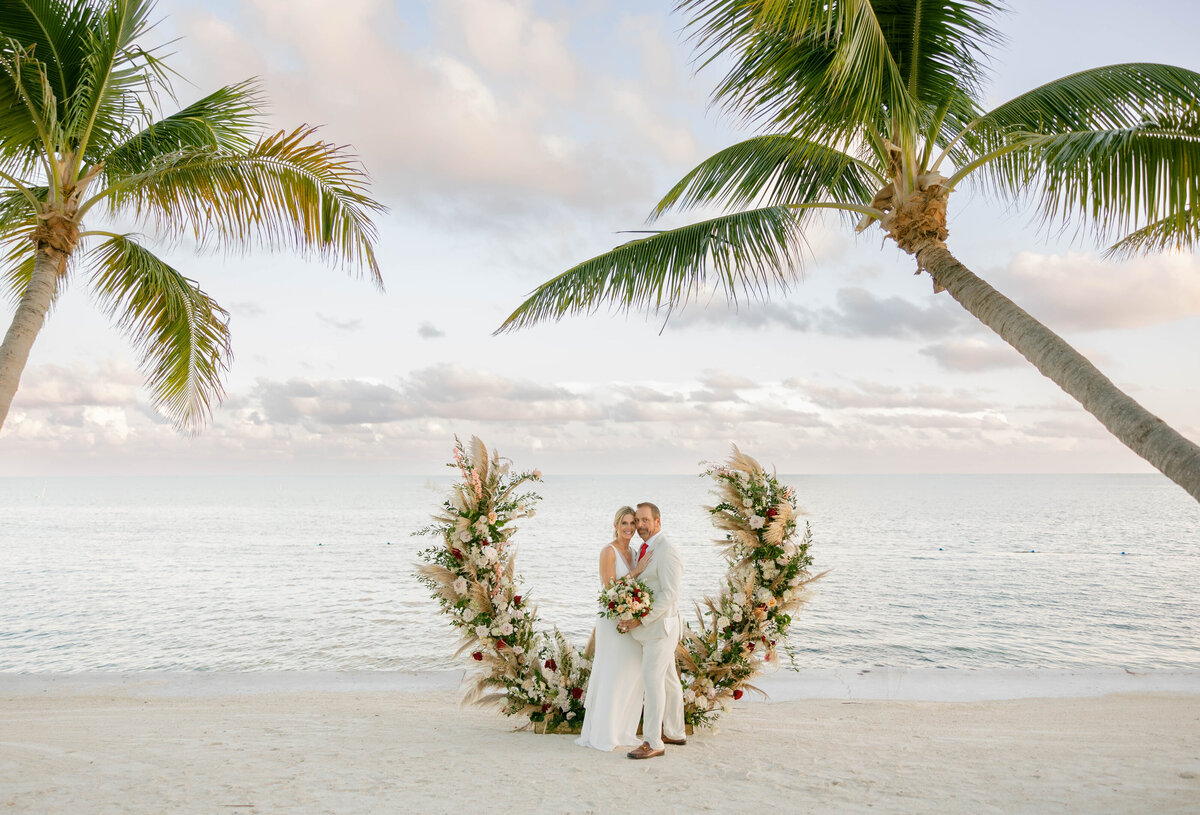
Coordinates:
[874,110]
[82,148]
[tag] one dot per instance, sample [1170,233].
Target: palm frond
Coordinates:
[180,333]
[744,254]
[1111,97]
[774,170]
[1180,232]
[28,108]
[17,223]
[783,57]
[56,32]
[825,70]
[222,120]
[288,189]
[113,72]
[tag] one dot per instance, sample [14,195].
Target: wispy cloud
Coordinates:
[429,331]
[1080,292]
[857,313]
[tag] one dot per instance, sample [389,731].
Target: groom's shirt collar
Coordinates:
[650,540]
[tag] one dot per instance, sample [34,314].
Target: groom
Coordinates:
[658,634]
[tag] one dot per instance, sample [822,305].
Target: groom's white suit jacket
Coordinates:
[663,577]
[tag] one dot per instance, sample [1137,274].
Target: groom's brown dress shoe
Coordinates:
[645,751]
[668,740]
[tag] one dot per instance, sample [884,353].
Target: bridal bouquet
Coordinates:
[626,598]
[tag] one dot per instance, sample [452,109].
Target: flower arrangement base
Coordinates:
[561,729]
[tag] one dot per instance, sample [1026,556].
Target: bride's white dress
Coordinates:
[614,691]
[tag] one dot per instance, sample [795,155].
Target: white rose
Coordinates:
[518,650]
[689,696]
[757,522]
[489,553]
[747,502]
[459,586]
[481,631]
[737,616]
[465,536]
[469,614]
[722,622]
[571,714]
[482,525]
[506,628]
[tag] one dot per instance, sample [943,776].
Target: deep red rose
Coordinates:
[577,692]
[772,512]
[552,665]
[545,708]
[500,643]
[767,658]
[516,599]
[750,645]
[737,694]
[456,554]
[478,656]
[612,603]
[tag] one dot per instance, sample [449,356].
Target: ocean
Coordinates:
[1056,572]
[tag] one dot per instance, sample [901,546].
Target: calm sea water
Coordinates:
[244,574]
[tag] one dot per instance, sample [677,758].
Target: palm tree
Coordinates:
[79,140]
[872,109]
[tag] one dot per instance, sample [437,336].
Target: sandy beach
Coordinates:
[345,744]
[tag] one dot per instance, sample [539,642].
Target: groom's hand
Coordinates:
[627,626]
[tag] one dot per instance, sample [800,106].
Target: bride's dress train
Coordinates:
[614,691]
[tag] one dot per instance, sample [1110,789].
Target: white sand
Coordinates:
[386,743]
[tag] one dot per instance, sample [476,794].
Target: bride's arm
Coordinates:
[608,566]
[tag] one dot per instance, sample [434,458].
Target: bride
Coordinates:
[614,691]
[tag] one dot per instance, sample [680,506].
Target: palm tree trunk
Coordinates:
[1137,428]
[27,322]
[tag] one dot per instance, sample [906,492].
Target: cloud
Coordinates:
[857,313]
[1078,292]
[876,396]
[114,383]
[429,331]
[483,107]
[346,326]
[972,356]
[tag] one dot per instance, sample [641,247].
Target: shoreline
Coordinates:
[849,684]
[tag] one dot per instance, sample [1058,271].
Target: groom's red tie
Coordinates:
[642,551]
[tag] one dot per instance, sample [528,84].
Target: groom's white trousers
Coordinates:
[664,695]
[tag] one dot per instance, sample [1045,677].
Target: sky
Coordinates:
[512,139]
